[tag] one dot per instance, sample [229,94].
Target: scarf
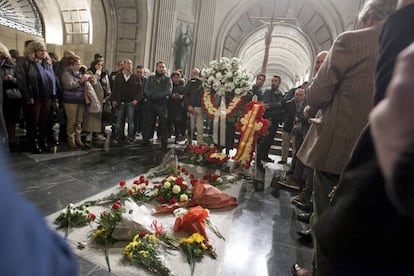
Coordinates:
[47,78]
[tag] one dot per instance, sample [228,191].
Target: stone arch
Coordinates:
[313,29]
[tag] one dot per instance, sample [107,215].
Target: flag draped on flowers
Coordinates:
[251,126]
[224,77]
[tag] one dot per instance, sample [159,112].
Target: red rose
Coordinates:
[122,183]
[160,198]
[191,175]
[172,201]
[184,186]
[141,179]
[91,216]
[178,181]
[130,191]
[116,205]
[136,182]
[146,181]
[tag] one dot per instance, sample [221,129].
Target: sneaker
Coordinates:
[100,137]
[88,137]
[289,184]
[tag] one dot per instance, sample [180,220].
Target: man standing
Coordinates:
[342,91]
[126,94]
[192,100]
[257,89]
[272,100]
[157,89]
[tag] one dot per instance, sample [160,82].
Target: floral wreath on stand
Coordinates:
[224,80]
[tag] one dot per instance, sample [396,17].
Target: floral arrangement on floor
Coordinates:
[213,179]
[172,189]
[74,217]
[195,247]
[107,223]
[144,249]
[207,156]
[137,191]
[252,124]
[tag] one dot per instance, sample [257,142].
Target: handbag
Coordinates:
[13,93]
[58,114]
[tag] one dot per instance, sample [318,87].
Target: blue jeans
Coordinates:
[126,110]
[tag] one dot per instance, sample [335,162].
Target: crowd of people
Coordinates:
[351,129]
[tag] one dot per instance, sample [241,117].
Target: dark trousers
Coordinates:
[265,143]
[37,119]
[153,112]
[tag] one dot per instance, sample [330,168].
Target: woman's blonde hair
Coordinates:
[32,48]
[4,51]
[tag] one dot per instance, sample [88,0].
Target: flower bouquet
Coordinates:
[213,179]
[107,223]
[224,75]
[144,249]
[195,247]
[74,217]
[198,154]
[172,189]
[210,197]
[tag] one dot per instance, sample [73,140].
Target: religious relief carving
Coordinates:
[182,46]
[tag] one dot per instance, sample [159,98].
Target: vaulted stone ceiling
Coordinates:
[302,28]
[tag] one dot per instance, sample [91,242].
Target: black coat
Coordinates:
[361,232]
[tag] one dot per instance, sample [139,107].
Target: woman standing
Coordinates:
[12,101]
[37,83]
[100,82]
[73,84]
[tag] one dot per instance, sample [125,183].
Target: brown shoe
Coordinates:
[290,184]
[297,270]
[79,142]
[299,199]
[72,144]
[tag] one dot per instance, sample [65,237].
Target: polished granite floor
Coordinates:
[263,239]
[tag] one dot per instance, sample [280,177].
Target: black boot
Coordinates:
[45,146]
[36,147]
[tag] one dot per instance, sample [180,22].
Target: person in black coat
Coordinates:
[361,232]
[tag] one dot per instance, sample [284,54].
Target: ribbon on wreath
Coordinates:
[219,124]
[252,124]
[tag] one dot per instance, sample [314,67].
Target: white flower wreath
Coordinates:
[225,76]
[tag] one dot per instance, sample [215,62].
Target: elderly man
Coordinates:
[342,91]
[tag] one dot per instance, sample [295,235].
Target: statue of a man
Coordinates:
[182,47]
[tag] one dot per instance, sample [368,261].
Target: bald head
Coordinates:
[319,60]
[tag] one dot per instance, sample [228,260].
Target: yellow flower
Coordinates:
[198,238]
[98,233]
[144,253]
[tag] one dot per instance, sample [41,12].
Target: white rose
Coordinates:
[167,185]
[155,192]
[183,197]
[176,189]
